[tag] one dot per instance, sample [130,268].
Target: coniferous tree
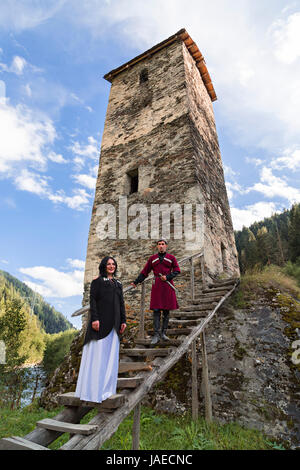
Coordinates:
[294,233]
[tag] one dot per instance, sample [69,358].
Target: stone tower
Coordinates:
[160,146]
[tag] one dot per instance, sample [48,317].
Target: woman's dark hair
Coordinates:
[102,266]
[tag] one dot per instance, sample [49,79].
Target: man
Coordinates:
[163,296]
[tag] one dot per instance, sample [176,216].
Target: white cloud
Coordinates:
[25,149]
[76,263]
[286,33]
[82,151]
[272,186]
[86,180]
[54,283]
[251,213]
[290,160]
[78,201]
[19,15]
[259,102]
[17,66]
[32,182]
[232,188]
[57,158]
[4,261]
[24,136]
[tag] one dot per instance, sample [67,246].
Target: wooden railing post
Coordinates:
[202,272]
[136,427]
[192,278]
[205,380]
[141,332]
[195,403]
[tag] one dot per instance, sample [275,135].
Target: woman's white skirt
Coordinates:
[98,373]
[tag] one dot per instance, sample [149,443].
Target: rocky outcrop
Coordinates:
[253,378]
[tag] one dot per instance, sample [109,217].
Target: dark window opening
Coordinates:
[134,181]
[144,76]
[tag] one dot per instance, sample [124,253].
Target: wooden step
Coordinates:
[61,426]
[112,402]
[19,443]
[199,308]
[208,294]
[206,299]
[129,382]
[191,315]
[133,366]
[217,289]
[147,341]
[226,282]
[145,352]
[175,331]
[189,322]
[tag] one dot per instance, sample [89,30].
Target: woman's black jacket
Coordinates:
[107,306]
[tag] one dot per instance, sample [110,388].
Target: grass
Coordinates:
[158,431]
[254,281]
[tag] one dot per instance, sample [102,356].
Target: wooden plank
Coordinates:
[228,282]
[141,333]
[133,366]
[192,272]
[205,380]
[195,403]
[171,342]
[129,382]
[109,426]
[211,297]
[206,300]
[69,414]
[145,352]
[198,308]
[216,289]
[190,315]
[70,400]
[19,443]
[176,331]
[136,427]
[189,322]
[54,425]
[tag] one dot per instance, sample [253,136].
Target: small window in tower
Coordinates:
[144,76]
[133,177]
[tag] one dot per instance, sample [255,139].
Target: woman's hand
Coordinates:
[123,326]
[96,325]
[163,277]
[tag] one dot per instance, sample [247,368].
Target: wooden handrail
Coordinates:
[86,308]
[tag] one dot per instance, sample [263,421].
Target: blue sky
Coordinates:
[53,98]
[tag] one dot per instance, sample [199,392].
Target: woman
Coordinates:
[98,373]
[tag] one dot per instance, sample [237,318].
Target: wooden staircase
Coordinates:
[146,365]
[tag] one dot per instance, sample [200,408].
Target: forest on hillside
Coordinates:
[25,341]
[274,240]
[50,319]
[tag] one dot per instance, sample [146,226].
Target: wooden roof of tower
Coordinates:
[193,50]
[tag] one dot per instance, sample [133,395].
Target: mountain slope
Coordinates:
[50,319]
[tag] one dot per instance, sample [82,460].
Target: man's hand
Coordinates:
[133,284]
[123,326]
[163,278]
[96,325]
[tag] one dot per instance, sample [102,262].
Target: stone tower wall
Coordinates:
[164,127]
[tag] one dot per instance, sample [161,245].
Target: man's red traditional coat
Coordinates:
[162,295]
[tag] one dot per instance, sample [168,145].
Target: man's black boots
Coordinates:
[156,325]
[164,337]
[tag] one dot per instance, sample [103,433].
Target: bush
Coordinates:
[57,346]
